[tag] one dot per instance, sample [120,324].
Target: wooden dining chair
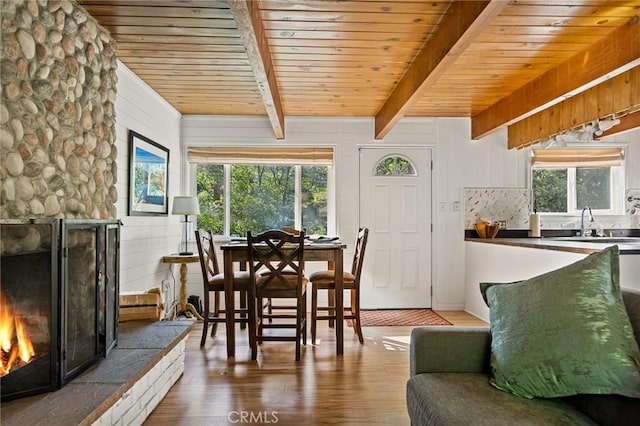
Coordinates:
[276,264]
[213,282]
[268,303]
[325,280]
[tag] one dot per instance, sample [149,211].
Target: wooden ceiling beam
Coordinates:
[614,54]
[459,27]
[615,97]
[252,33]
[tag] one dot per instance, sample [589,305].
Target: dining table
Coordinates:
[332,252]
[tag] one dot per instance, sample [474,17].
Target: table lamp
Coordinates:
[185,205]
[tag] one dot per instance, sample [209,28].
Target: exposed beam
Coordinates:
[614,97]
[459,27]
[614,54]
[247,16]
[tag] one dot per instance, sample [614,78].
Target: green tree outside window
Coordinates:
[563,190]
[261,197]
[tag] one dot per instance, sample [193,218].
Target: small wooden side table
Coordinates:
[183,260]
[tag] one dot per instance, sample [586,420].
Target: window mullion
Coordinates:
[227,199]
[297,208]
[617,189]
[572,196]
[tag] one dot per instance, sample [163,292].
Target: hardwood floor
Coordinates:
[461,318]
[365,386]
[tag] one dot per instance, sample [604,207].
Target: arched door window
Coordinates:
[395,165]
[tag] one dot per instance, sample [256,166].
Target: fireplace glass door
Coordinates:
[111,284]
[89,295]
[80,343]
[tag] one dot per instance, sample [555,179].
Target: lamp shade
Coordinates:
[185,205]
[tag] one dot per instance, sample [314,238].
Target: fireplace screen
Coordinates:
[59,301]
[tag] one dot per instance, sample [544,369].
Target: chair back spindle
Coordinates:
[276,265]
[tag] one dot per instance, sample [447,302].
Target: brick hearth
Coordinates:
[122,389]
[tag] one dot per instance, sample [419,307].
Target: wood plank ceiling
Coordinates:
[387,59]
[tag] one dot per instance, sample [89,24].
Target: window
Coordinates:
[239,196]
[210,191]
[314,199]
[395,165]
[564,181]
[549,187]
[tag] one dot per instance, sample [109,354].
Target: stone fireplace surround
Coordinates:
[57,115]
[58,161]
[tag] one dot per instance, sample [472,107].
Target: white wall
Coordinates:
[145,239]
[632,155]
[464,163]
[458,162]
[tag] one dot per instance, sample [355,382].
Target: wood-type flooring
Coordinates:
[366,386]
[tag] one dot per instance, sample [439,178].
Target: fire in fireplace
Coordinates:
[17,347]
[58,312]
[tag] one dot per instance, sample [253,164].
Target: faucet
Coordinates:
[582,231]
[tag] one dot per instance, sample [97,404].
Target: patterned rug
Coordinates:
[393,317]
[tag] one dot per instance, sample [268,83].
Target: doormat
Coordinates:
[399,317]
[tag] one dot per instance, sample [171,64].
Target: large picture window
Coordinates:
[236,196]
[564,181]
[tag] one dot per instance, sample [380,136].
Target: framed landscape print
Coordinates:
[148,177]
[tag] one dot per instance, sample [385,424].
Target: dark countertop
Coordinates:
[550,243]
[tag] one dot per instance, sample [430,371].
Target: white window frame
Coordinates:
[618,174]
[331,228]
[616,195]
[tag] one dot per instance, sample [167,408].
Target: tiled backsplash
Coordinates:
[632,202]
[497,204]
[513,205]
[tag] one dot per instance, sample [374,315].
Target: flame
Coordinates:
[6,324]
[14,343]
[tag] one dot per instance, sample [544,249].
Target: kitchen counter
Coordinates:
[626,245]
[517,258]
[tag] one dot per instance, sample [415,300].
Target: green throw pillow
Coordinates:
[563,333]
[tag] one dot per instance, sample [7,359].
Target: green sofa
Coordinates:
[449,385]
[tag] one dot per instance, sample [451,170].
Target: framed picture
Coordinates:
[148,177]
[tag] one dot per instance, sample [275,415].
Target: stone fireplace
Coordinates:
[59,301]
[58,168]
[57,114]
[58,193]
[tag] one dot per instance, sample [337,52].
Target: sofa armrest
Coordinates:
[449,349]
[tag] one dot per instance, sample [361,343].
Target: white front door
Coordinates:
[395,204]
